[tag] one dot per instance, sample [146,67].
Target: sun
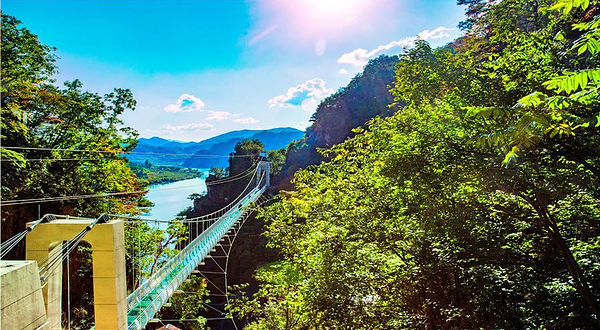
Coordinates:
[329,13]
[316,23]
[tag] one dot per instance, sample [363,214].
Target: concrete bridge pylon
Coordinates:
[108,260]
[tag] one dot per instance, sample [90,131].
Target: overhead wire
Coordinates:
[127,152]
[9,244]
[63,198]
[235,177]
[58,159]
[47,265]
[203,218]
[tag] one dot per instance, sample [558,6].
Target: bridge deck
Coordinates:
[143,303]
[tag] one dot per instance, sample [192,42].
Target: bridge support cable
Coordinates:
[226,245]
[149,297]
[235,177]
[10,243]
[223,247]
[57,256]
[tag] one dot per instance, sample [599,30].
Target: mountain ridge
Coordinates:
[165,152]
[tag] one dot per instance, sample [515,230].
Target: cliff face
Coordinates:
[366,96]
[221,191]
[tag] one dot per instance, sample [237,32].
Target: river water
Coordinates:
[171,198]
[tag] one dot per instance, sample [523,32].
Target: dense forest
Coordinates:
[475,205]
[59,141]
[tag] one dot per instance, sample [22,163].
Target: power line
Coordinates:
[57,159]
[126,153]
[64,198]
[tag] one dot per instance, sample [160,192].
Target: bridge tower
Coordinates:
[108,254]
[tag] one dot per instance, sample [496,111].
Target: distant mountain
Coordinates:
[159,151]
[272,139]
[156,141]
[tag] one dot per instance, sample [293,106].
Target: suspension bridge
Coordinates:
[35,289]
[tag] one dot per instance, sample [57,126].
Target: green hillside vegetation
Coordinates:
[163,174]
[476,206]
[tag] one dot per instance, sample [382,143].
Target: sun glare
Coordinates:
[317,23]
[329,13]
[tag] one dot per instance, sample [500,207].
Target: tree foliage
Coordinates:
[41,122]
[475,206]
[68,142]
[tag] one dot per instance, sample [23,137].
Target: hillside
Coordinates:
[163,174]
[272,140]
[159,151]
[365,97]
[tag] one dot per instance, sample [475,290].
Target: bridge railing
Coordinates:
[147,299]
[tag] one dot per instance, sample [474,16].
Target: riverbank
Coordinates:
[171,198]
[155,174]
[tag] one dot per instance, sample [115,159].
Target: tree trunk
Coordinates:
[579,280]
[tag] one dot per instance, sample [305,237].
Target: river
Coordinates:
[171,198]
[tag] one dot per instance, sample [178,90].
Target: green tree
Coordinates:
[48,119]
[187,303]
[41,125]
[277,160]
[423,221]
[217,172]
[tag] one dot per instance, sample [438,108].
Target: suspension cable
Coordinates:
[55,258]
[125,152]
[239,175]
[203,218]
[10,243]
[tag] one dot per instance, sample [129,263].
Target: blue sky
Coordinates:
[203,68]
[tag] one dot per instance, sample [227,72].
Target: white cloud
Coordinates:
[309,105]
[309,91]
[359,57]
[185,103]
[221,115]
[439,33]
[169,129]
[247,120]
[343,71]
